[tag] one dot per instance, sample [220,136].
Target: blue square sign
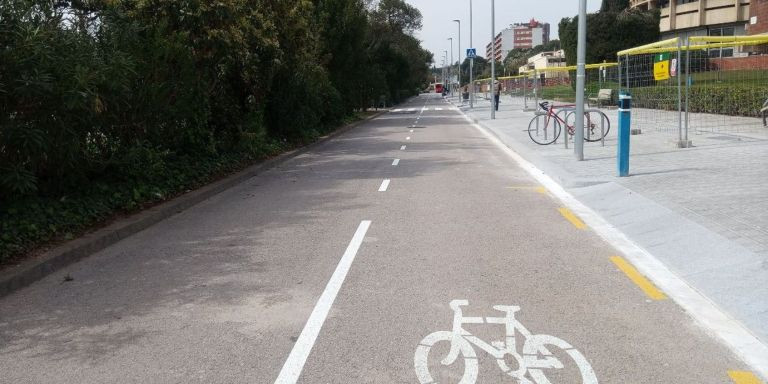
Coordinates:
[471,53]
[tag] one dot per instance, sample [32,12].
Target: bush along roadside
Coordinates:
[107,106]
[30,222]
[726,99]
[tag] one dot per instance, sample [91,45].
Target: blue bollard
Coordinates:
[625,117]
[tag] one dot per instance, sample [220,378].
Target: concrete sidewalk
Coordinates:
[702,211]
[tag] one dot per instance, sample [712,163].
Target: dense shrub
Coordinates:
[108,105]
[724,99]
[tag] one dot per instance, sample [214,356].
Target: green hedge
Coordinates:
[723,99]
[29,222]
[109,105]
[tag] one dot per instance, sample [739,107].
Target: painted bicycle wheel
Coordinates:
[421,358]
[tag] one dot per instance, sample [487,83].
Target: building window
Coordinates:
[680,2]
[721,52]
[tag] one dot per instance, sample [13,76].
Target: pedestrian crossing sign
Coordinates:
[471,53]
[661,66]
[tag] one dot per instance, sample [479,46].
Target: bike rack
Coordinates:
[572,110]
[602,124]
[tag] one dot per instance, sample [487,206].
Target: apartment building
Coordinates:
[709,17]
[544,60]
[519,35]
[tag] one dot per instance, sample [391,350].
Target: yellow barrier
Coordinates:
[702,43]
[650,47]
[552,69]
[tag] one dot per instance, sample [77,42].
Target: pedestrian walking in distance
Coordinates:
[497,95]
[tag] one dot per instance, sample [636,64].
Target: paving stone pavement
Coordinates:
[721,183]
[709,201]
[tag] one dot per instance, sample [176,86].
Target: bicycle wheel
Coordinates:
[421,358]
[539,345]
[596,125]
[543,129]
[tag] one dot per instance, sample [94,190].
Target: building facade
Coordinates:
[519,35]
[544,60]
[758,17]
[708,17]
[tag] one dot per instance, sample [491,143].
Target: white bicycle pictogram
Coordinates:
[534,361]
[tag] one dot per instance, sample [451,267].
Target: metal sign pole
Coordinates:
[493,59]
[471,62]
[578,145]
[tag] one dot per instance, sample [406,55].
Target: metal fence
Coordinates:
[558,85]
[698,84]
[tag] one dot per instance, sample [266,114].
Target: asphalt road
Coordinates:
[322,271]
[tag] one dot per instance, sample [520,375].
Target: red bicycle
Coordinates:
[545,128]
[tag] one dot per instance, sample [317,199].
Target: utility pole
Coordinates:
[451,65]
[460,62]
[581,53]
[445,55]
[493,59]
[471,63]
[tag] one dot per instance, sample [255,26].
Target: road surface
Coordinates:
[340,266]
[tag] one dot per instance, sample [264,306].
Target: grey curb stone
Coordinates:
[31,270]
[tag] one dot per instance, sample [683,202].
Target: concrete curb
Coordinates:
[29,271]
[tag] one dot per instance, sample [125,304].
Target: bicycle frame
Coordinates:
[551,113]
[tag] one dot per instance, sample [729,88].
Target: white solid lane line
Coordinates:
[402,148]
[396,162]
[384,185]
[298,357]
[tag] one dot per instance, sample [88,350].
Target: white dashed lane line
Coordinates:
[396,162]
[384,185]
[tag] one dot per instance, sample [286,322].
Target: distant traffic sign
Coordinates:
[471,53]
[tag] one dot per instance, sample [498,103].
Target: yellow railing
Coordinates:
[551,69]
[695,43]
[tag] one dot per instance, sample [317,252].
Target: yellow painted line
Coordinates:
[638,279]
[539,189]
[570,216]
[743,377]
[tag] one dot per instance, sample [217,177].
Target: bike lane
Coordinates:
[460,221]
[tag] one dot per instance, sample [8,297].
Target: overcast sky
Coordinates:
[438,16]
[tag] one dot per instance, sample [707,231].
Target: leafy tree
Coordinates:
[614,28]
[343,50]
[614,5]
[478,69]
[518,57]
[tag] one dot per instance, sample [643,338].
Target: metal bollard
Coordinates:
[625,117]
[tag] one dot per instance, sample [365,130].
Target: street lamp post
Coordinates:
[460,62]
[471,63]
[445,55]
[493,59]
[581,53]
[451,66]
[442,72]
[445,70]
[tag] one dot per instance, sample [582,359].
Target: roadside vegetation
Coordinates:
[109,105]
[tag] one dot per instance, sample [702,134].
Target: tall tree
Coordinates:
[610,31]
